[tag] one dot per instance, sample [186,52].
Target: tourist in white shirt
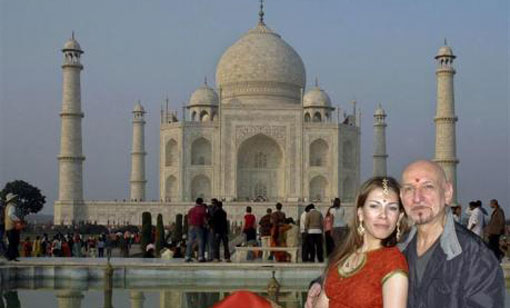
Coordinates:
[476,219]
[340,227]
[305,251]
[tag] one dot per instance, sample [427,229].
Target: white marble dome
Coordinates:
[260,63]
[316,97]
[72,44]
[379,111]
[445,51]
[204,95]
[138,108]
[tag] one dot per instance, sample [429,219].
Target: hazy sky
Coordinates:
[371,51]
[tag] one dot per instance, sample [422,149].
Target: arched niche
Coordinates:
[201,150]
[318,186]
[204,116]
[319,153]
[317,117]
[260,169]
[348,154]
[348,189]
[170,188]
[171,153]
[200,187]
[308,118]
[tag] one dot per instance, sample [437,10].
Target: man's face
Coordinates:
[425,192]
[493,205]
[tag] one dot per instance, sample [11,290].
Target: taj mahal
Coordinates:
[259,136]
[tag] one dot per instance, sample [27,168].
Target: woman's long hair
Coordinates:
[354,241]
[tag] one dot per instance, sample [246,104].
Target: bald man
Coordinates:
[449,266]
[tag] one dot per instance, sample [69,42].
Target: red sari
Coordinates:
[363,288]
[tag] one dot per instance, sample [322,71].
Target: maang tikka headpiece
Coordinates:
[385,188]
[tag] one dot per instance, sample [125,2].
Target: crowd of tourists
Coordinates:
[208,230]
[68,244]
[78,245]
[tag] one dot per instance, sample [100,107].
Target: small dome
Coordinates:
[316,97]
[204,95]
[138,108]
[261,63]
[445,51]
[379,111]
[72,44]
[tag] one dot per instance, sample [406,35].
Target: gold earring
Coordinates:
[361,229]
[399,234]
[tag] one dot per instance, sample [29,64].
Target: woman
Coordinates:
[328,231]
[368,270]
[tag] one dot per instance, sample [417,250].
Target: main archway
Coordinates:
[260,169]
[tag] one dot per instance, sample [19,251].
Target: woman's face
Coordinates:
[380,214]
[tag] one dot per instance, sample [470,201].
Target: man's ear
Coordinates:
[448,192]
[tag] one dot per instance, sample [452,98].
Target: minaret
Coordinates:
[446,152]
[138,155]
[380,155]
[70,159]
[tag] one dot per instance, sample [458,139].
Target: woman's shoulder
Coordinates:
[392,256]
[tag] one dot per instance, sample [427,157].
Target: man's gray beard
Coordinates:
[423,220]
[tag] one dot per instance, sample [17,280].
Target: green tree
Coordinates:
[177,232]
[146,230]
[30,199]
[160,234]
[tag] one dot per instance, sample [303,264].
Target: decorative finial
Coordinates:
[261,12]
[72,35]
[316,82]
[205,80]
[445,42]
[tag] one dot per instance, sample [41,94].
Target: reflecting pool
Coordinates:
[192,296]
[180,296]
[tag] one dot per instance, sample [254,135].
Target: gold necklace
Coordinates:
[352,264]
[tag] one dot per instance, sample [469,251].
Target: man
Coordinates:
[448,265]
[314,227]
[496,228]
[305,252]
[209,237]
[220,230]
[196,221]
[476,219]
[10,228]
[265,232]
[457,213]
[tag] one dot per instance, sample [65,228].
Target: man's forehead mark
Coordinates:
[417,180]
